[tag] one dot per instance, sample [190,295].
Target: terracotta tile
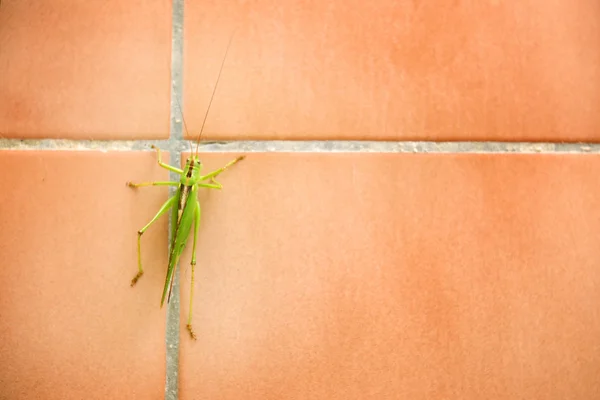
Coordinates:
[71,325]
[72,69]
[385,69]
[388,276]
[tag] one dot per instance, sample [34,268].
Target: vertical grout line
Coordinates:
[176,135]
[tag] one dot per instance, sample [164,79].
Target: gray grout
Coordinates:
[176,144]
[172,145]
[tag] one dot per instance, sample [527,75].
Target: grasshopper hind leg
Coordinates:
[165,207]
[193,263]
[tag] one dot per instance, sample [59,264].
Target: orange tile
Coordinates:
[71,326]
[385,69]
[72,69]
[387,276]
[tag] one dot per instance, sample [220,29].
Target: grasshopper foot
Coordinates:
[135,278]
[191,331]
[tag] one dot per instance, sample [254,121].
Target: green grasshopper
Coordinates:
[185,211]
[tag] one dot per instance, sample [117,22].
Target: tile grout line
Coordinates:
[176,144]
[172,145]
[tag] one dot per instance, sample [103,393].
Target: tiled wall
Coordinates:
[417,216]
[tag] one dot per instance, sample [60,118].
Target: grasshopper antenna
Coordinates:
[183,119]
[214,91]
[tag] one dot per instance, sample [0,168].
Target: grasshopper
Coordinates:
[185,210]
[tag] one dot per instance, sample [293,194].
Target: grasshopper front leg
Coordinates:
[211,176]
[165,165]
[158,183]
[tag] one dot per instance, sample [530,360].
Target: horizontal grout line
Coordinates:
[285,146]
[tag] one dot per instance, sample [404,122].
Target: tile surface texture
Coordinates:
[85,70]
[320,275]
[395,70]
[71,326]
[389,276]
